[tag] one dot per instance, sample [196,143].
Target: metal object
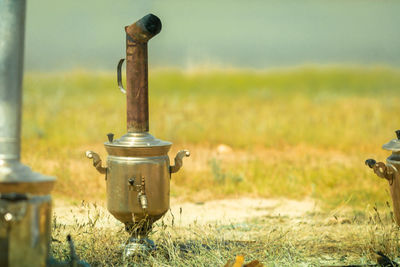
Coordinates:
[178,160]
[119,75]
[12,14]
[138,168]
[136,246]
[25,201]
[389,171]
[137,36]
[24,229]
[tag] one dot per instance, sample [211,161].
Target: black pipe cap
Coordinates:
[151,23]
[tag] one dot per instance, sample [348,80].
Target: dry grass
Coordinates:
[295,133]
[291,133]
[316,239]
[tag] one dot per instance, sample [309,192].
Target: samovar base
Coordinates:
[139,244]
[137,247]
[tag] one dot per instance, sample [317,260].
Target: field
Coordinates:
[301,133]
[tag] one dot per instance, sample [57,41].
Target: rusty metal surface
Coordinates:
[137,36]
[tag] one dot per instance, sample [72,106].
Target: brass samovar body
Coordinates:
[138,168]
[138,182]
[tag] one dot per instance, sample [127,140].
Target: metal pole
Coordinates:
[137,36]
[12,27]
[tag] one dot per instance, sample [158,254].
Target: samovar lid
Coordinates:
[393,145]
[137,140]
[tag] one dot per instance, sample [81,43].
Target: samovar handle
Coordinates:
[178,160]
[96,161]
[119,75]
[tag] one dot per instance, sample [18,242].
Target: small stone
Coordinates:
[224,149]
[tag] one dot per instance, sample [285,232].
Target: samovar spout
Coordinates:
[178,160]
[385,171]
[97,163]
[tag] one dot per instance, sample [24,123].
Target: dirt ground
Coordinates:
[186,213]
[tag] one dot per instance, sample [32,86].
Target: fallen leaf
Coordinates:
[239,262]
[255,263]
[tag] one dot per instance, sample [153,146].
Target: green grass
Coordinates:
[302,132]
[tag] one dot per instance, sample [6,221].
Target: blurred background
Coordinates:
[274,99]
[278,102]
[253,34]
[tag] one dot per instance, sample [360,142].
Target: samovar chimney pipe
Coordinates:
[12,29]
[137,36]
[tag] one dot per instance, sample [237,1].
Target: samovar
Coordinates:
[25,201]
[390,172]
[138,168]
